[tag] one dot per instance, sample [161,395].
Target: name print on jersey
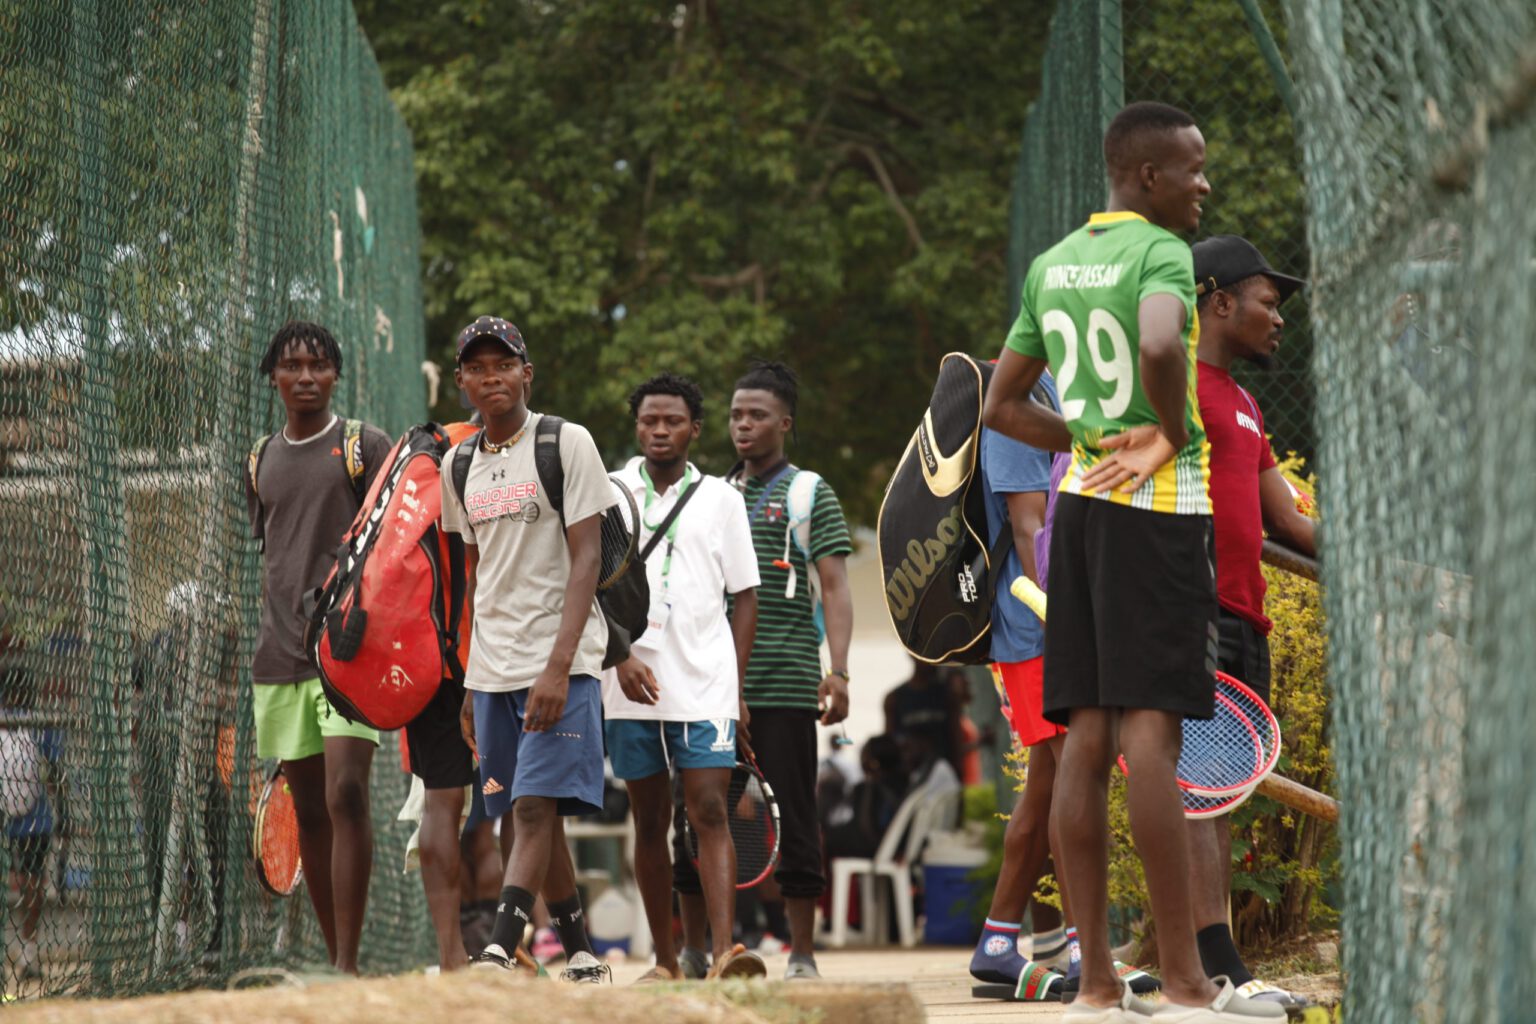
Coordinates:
[507,501]
[1083,275]
[1245,421]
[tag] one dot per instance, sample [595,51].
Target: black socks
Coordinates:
[1219,955]
[512,918]
[568,921]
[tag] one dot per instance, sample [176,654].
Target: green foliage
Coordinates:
[643,186]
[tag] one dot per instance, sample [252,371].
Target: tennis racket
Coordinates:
[1223,758]
[620,534]
[275,839]
[754,820]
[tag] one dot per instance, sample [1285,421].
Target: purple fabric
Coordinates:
[1059,463]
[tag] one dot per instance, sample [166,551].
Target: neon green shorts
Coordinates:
[293,721]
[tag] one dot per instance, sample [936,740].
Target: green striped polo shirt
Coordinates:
[785,669]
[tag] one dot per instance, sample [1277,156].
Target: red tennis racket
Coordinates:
[754,820]
[275,839]
[1228,754]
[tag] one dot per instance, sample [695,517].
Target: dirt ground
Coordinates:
[871,986]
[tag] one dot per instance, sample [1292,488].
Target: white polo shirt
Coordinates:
[692,655]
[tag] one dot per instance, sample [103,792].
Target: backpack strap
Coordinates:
[352,458]
[800,505]
[253,463]
[546,459]
[463,455]
[458,586]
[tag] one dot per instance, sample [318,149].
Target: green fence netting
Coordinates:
[1418,124]
[177,179]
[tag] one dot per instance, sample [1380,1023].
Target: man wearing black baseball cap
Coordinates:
[1238,298]
[533,710]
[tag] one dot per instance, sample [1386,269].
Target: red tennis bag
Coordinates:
[384,630]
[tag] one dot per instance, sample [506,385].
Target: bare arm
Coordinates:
[1284,523]
[1009,410]
[743,632]
[546,701]
[1026,515]
[1164,363]
[837,609]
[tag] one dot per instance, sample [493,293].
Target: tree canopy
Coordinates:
[644,186]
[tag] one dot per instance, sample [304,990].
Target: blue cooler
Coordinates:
[950,895]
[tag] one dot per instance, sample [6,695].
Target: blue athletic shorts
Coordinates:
[639,748]
[564,763]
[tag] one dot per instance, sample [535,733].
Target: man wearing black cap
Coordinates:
[533,712]
[1238,302]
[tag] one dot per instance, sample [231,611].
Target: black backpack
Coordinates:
[938,571]
[623,592]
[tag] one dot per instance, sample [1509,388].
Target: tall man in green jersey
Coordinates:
[1130,637]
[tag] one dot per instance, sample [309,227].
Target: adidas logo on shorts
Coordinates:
[491,787]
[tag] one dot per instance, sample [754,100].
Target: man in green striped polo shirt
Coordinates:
[801,541]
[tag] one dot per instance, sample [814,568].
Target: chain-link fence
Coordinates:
[1394,171]
[1419,139]
[178,180]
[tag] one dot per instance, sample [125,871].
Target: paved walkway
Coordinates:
[937,976]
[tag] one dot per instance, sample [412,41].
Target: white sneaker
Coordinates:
[1128,1010]
[1227,1008]
[584,968]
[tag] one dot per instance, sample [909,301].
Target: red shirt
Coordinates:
[1239,453]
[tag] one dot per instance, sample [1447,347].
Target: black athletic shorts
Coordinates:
[438,754]
[1243,652]
[1132,619]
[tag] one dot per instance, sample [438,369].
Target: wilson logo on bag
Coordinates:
[384,630]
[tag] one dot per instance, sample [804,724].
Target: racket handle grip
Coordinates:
[1027,591]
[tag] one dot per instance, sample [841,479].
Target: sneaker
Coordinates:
[1227,1008]
[801,969]
[693,963]
[492,956]
[770,945]
[586,969]
[1128,1010]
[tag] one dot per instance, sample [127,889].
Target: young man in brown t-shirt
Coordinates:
[303,488]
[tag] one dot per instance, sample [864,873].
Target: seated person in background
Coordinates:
[923,715]
[859,823]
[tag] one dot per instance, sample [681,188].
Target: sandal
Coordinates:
[1262,991]
[740,962]
[657,975]
[1037,984]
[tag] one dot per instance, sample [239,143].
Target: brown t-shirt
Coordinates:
[307,503]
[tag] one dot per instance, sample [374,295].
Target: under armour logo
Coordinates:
[499,474]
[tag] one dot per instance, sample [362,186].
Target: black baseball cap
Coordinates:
[491,327]
[1223,260]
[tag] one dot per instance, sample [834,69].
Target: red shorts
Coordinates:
[1023,685]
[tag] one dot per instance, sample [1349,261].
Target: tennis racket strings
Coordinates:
[753,816]
[620,531]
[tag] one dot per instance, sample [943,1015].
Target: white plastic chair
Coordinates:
[929,805]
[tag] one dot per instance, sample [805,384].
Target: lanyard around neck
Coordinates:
[671,535]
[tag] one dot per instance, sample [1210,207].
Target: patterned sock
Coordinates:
[1047,946]
[568,921]
[997,958]
[512,918]
[1074,954]
[1219,955]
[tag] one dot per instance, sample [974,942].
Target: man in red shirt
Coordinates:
[1238,303]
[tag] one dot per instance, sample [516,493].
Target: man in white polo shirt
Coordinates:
[676,702]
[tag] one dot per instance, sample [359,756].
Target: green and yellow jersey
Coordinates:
[1079,313]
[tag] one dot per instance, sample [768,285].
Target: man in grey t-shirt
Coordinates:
[534,707]
[302,487]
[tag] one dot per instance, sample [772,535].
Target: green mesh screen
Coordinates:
[1419,137]
[178,180]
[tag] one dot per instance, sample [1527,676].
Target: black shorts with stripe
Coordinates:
[1132,614]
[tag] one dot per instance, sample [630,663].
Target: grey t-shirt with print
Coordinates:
[524,561]
[307,503]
